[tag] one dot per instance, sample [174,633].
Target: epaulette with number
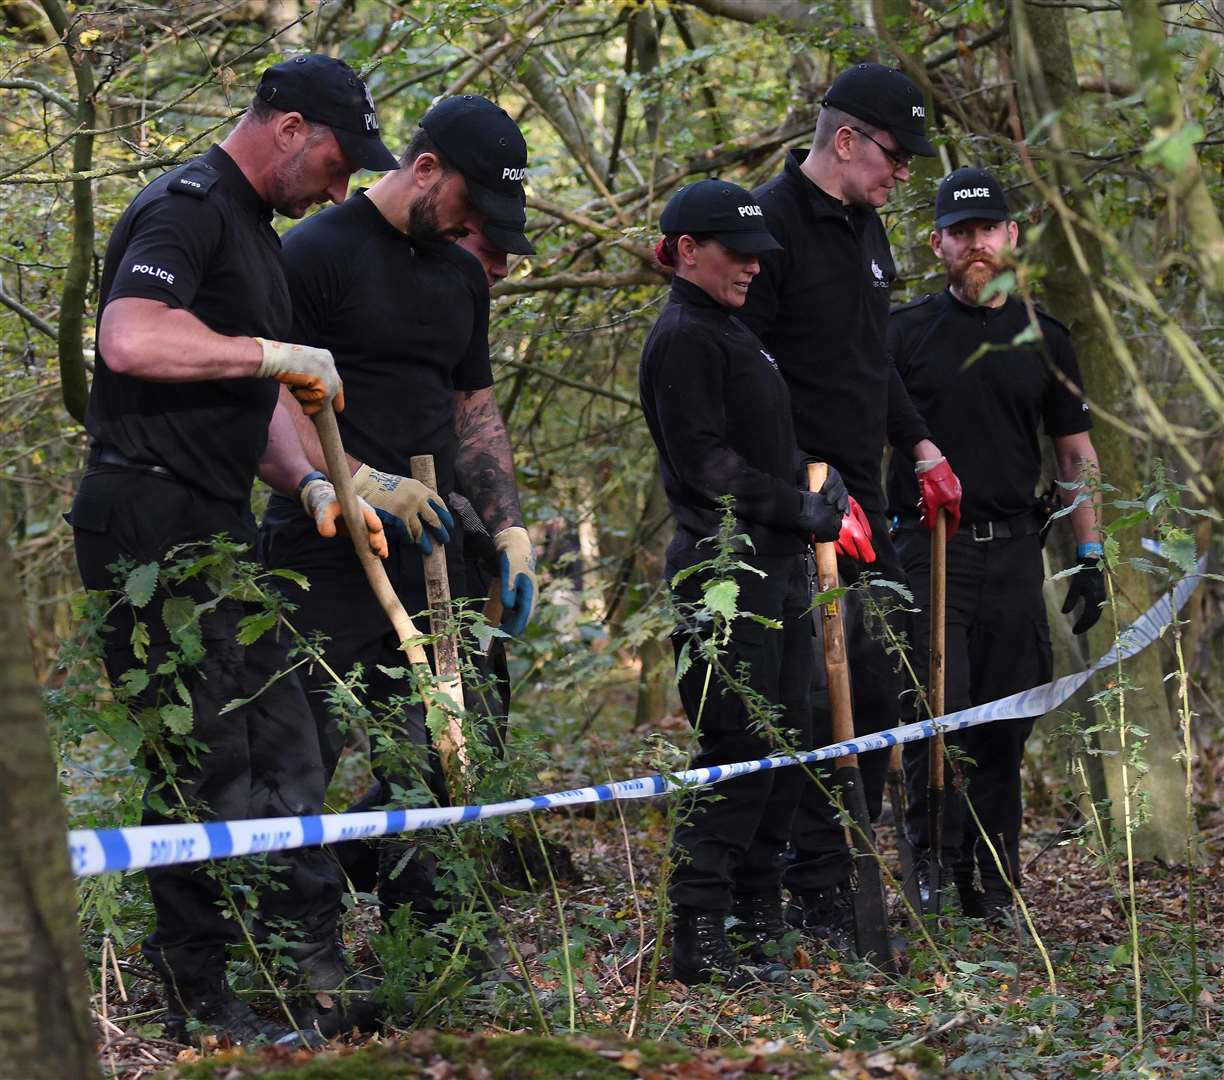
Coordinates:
[925,298]
[196,179]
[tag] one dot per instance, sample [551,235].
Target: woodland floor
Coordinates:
[972,1001]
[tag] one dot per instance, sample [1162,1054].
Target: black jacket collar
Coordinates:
[237,184]
[685,292]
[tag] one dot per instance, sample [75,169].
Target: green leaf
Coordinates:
[178,612]
[1121,956]
[115,723]
[176,718]
[291,575]
[140,584]
[1004,283]
[721,598]
[140,641]
[1027,335]
[253,627]
[1173,149]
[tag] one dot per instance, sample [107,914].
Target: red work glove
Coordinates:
[855,539]
[940,490]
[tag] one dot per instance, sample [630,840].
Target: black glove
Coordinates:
[1087,584]
[821,512]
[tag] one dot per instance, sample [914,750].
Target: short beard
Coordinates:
[969,280]
[285,189]
[423,219]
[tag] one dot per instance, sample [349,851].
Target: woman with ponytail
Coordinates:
[720,416]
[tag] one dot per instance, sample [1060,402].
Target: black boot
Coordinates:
[760,927]
[925,872]
[702,954]
[207,1006]
[337,999]
[828,917]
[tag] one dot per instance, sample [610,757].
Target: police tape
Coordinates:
[99,851]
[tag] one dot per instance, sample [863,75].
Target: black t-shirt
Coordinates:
[719,413]
[200,238]
[986,417]
[820,306]
[408,326]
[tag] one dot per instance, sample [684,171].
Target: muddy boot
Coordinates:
[336,999]
[702,954]
[206,1005]
[760,928]
[828,917]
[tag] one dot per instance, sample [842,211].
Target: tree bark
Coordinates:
[80,263]
[45,1029]
[1047,82]
[1157,67]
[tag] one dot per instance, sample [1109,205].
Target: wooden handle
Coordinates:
[938,621]
[376,574]
[446,642]
[837,667]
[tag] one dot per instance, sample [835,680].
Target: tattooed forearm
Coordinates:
[484,462]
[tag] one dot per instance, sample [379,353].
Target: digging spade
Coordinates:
[451,743]
[935,691]
[870,920]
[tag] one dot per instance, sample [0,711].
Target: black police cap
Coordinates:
[327,91]
[885,98]
[723,209]
[969,193]
[480,139]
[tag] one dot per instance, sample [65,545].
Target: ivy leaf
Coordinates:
[721,598]
[140,584]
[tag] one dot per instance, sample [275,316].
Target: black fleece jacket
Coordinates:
[719,412]
[820,306]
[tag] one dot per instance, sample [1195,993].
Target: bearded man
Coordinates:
[987,377]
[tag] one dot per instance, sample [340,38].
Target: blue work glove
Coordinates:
[518,581]
[406,506]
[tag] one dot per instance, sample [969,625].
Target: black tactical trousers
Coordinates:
[997,643]
[341,606]
[818,839]
[258,760]
[732,835]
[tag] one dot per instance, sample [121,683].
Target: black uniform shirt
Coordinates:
[821,307]
[719,413]
[199,237]
[985,418]
[408,327]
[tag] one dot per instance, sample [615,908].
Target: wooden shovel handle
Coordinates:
[837,667]
[452,745]
[376,574]
[938,621]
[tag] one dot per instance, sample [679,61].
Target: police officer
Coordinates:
[193,314]
[987,416]
[820,305]
[379,282]
[719,413]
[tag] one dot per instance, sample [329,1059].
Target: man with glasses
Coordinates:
[821,306]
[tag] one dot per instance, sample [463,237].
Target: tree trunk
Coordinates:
[655,655]
[1047,81]
[80,262]
[45,1029]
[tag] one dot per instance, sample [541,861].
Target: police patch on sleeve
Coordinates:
[196,179]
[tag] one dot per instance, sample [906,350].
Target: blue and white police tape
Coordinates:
[97,851]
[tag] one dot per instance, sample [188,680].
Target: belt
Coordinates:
[1027,524]
[108,455]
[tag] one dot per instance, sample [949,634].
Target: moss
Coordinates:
[507,1057]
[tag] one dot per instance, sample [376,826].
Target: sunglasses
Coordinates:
[899,159]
